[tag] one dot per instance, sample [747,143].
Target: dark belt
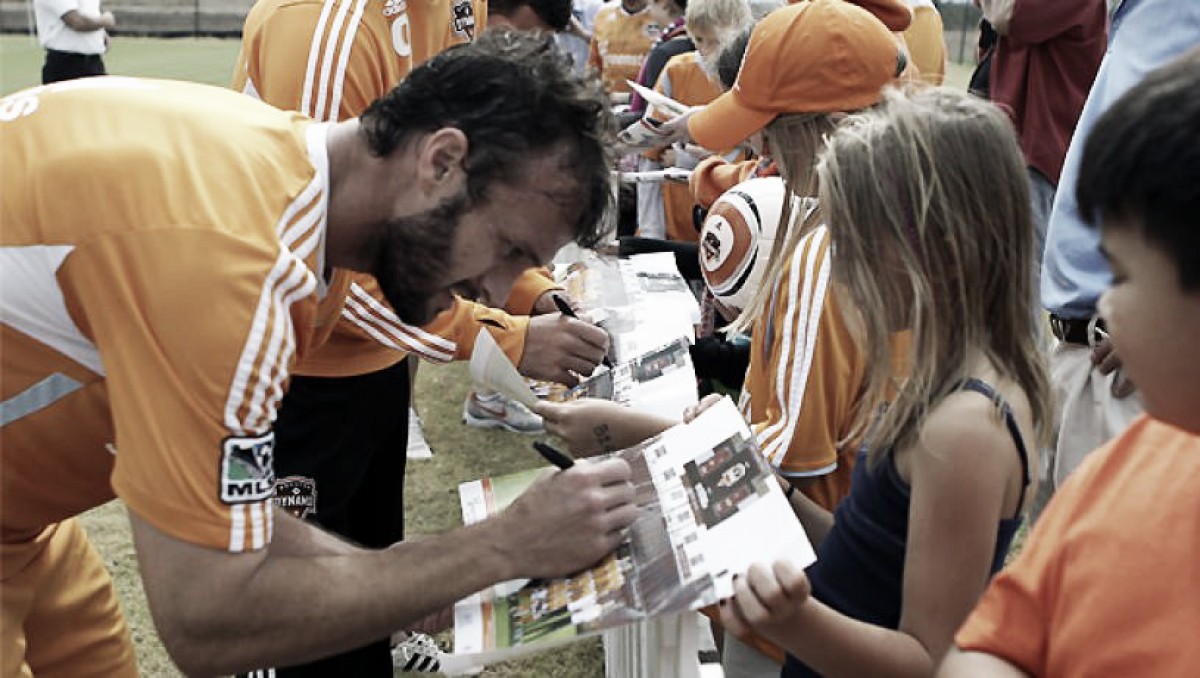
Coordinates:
[76,55]
[1073,330]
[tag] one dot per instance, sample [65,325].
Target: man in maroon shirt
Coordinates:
[1046,58]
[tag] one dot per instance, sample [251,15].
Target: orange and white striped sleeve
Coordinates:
[327,59]
[807,391]
[213,379]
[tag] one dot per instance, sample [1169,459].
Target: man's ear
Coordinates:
[440,164]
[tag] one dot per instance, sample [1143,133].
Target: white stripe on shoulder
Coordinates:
[287,278]
[311,198]
[793,378]
[279,348]
[332,39]
[258,529]
[782,337]
[807,313]
[314,54]
[391,336]
[237,528]
[390,317]
[817,282]
[335,104]
[316,137]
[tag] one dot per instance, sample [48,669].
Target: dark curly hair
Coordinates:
[556,13]
[516,97]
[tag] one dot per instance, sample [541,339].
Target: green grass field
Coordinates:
[460,453]
[200,59]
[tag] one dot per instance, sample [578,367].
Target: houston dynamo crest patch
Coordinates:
[247,468]
[297,495]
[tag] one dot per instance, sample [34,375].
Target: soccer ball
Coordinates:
[737,238]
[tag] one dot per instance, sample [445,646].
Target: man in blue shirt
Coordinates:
[1097,400]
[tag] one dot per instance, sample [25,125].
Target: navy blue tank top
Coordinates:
[860,565]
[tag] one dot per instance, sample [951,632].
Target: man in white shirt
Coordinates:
[73,33]
[576,39]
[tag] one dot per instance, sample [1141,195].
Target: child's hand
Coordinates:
[588,425]
[766,600]
[694,411]
[1107,361]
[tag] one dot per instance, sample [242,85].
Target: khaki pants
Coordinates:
[1090,415]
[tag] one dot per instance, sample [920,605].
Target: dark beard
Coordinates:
[414,259]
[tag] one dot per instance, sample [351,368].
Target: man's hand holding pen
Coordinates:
[568,520]
[560,347]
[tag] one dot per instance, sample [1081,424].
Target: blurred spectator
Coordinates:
[623,34]
[926,43]
[1098,402]
[1046,56]
[577,39]
[74,33]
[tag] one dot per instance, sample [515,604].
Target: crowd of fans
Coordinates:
[977,317]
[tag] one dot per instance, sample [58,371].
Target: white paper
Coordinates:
[659,381]
[658,99]
[491,369]
[677,174]
[709,507]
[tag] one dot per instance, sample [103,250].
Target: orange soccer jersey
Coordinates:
[926,42]
[353,52]
[805,374]
[328,59]
[685,81]
[147,341]
[620,42]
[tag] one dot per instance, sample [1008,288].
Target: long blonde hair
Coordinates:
[927,203]
[795,142]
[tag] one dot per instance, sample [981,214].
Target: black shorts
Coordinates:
[70,65]
[340,451]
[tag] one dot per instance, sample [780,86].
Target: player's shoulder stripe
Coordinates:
[302,222]
[366,311]
[328,55]
[251,526]
[802,308]
[269,344]
[335,102]
[314,56]
[388,315]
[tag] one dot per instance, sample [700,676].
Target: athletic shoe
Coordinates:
[493,410]
[418,448]
[417,653]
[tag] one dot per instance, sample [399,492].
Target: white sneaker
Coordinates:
[418,448]
[418,653]
[492,410]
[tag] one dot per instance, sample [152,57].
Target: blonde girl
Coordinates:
[925,198]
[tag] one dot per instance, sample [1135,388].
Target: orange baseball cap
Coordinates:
[811,57]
